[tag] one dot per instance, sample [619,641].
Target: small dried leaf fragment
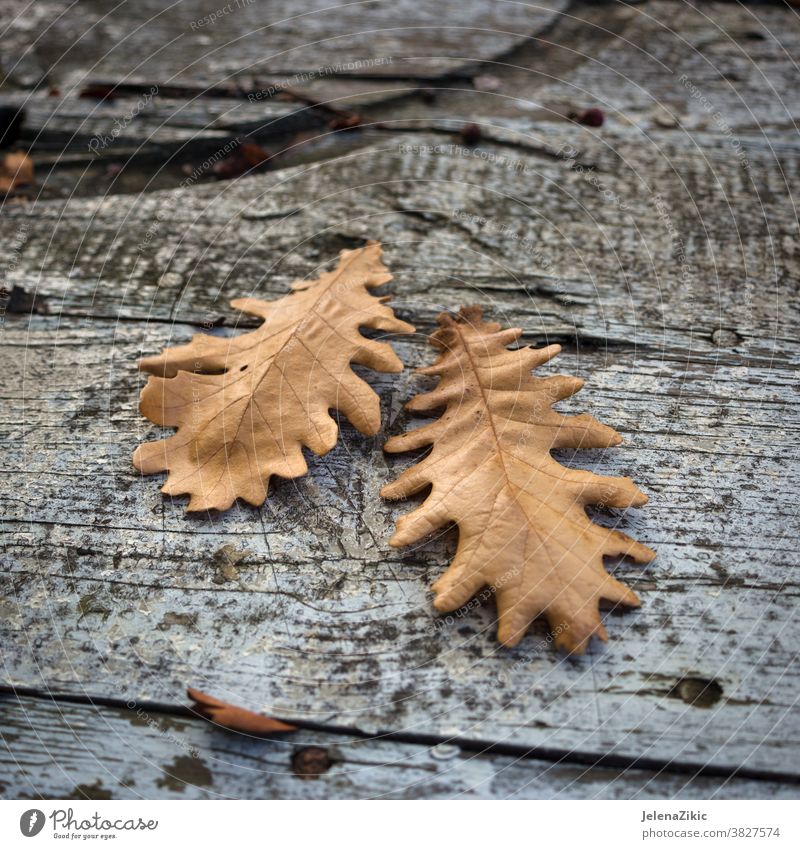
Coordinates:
[16,169]
[234,718]
[522,523]
[245,406]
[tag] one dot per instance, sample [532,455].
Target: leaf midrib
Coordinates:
[311,313]
[500,451]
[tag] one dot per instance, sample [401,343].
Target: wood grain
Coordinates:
[184,43]
[67,751]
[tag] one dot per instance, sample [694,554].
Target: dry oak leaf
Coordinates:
[234,718]
[522,523]
[246,405]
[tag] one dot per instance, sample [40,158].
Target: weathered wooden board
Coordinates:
[174,42]
[713,70]
[122,126]
[327,622]
[61,750]
[532,234]
[713,67]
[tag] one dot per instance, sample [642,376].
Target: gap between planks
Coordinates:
[541,753]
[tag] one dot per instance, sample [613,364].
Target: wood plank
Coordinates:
[55,751]
[549,250]
[110,590]
[123,126]
[720,69]
[274,40]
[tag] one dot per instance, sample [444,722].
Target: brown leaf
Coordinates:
[16,169]
[234,718]
[523,528]
[99,91]
[470,134]
[593,117]
[246,405]
[242,159]
[346,122]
